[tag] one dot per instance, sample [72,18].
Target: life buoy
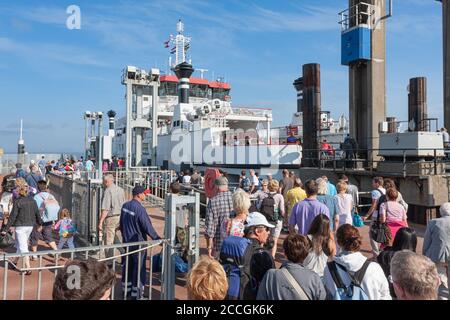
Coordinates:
[210,177]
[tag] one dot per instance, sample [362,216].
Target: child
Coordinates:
[66,229]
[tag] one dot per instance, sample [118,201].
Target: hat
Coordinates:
[221,181]
[140,189]
[257,219]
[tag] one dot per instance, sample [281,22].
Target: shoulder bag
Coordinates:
[379,231]
[300,293]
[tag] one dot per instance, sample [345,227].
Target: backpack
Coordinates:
[235,256]
[268,208]
[245,184]
[354,290]
[67,229]
[381,200]
[49,208]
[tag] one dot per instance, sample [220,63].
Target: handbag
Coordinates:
[357,220]
[379,231]
[7,240]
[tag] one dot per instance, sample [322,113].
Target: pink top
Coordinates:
[396,211]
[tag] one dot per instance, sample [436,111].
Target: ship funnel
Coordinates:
[183,71]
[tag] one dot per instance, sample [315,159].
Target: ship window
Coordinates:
[198,91]
[167,89]
[219,93]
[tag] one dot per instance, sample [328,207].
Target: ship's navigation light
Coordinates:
[180,27]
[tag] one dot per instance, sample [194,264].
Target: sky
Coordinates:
[50,74]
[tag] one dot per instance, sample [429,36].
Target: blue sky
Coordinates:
[50,75]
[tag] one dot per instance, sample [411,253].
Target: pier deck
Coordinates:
[157,217]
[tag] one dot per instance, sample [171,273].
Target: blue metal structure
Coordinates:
[356,45]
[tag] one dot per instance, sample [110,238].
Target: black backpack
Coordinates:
[381,200]
[268,208]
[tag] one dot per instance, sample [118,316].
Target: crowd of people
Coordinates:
[322,250]
[321,253]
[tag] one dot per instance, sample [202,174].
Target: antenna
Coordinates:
[179,45]
[180,27]
[21,129]
[202,71]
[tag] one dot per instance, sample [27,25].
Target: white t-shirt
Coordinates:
[186,179]
[255,181]
[375,196]
[344,206]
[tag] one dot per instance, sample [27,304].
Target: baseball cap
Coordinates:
[257,219]
[140,189]
[221,181]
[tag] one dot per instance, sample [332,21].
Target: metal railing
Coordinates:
[337,159]
[82,196]
[8,161]
[356,15]
[47,272]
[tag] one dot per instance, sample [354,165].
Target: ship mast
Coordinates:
[180,45]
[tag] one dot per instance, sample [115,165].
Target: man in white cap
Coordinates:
[245,260]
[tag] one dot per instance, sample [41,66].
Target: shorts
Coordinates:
[46,234]
[275,232]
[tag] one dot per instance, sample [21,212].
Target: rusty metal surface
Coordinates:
[417,103]
[392,126]
[311,106]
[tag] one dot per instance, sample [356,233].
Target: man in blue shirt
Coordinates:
[20,173]
[136,226]
[41,164]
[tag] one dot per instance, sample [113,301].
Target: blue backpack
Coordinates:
[353,291]
[245,184]
[180,265]
[235,257]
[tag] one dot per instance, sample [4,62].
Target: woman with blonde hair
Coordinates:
[328,200]
[344,204]
[235,226]
[25,214]
[207,280]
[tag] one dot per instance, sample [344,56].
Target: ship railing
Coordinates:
[47,265]
[430,160]
[251,112]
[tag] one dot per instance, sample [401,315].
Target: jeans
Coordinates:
[62,242]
